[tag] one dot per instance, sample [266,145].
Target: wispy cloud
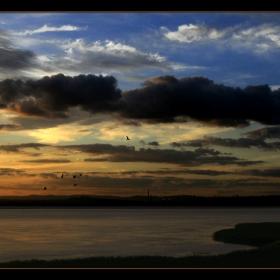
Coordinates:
[106,56]
[208,141]
[46,28]
[124,153]
[20,147]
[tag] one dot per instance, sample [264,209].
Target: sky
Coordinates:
[197,94]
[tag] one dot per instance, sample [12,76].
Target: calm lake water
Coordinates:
[50,233]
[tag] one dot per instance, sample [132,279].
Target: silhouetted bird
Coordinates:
[81,174]
[62,176]
[75,185]
[127,138]
[74,176]
[45,188]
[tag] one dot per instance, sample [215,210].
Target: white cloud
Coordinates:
[104,56]
[108,47]
[47,28]
[190,33]
[274,87]
[259,38]
[181,67]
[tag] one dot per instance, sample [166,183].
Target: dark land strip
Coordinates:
[182,200]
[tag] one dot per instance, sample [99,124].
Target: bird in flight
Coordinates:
[127,138]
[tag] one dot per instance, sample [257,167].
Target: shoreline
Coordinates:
[135,207]
[265,236]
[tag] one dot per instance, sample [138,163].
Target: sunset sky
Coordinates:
[198,94]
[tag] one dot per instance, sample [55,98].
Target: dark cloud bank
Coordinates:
[14,59]
[208,141]
[122,153]
[160,99]
[21,147]
[52,97]
[263,133]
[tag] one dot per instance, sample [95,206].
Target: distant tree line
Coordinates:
[271,200]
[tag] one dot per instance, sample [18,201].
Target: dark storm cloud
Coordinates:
[52,97]
[14,59]
[18,148]
[227,142]
[161,99]
[263,133]
[124,153]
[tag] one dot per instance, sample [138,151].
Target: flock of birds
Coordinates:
[62,176]
[74,176]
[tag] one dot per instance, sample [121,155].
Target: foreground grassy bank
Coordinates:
[265,236]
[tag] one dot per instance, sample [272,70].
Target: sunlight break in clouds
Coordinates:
[57,134]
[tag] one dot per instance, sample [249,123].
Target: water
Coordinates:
[56,233]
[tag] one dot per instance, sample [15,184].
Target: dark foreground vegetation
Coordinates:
[182,200]
[265,236]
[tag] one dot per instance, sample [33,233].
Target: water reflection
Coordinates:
[70,233]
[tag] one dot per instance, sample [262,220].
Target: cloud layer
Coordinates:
[51,97]
[161,99]
[208,141]
[263,133]
[124,153]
